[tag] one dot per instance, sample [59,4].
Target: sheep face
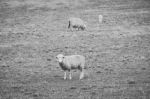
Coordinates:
[83,27]
[60,58]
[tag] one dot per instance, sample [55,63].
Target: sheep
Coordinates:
[100,18]
[68,63]
[76,23]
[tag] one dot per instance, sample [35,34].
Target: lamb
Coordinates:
[76,23]
[100,17]
[68,63]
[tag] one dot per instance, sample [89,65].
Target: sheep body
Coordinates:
[67,63]
[76,23]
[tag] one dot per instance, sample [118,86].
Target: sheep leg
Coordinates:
[70,77]
[81,74]
[78,28]
[65,75]
[71,28]
[69,25]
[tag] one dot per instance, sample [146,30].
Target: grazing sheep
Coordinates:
[67,63]
[76,23]
[100,17]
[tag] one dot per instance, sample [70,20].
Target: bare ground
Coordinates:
[33,32]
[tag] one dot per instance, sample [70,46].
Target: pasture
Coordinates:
[117,51]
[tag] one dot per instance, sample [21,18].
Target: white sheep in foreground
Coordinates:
[76,23]
[67,63]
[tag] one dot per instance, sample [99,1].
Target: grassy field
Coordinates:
[117,51]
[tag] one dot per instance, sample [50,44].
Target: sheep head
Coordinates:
[60,58]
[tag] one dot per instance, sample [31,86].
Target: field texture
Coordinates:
[117,51]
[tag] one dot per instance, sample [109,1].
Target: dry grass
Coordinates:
[117,51]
